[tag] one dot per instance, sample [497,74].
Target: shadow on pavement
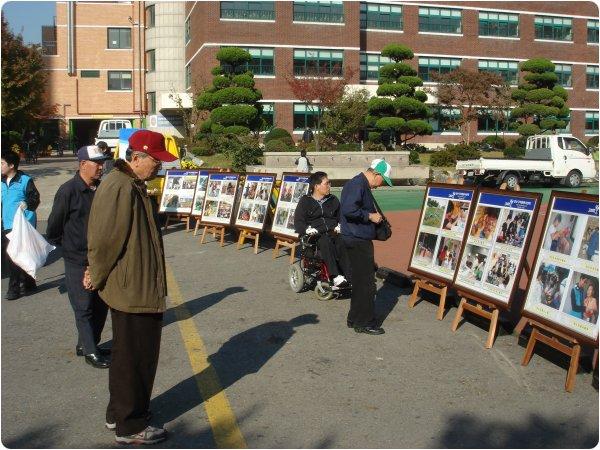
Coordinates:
[245,353]
[387,299]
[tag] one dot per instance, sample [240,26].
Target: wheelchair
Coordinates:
[310,272]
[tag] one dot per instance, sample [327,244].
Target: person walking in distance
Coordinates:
[358,217]
[67,226]
[302,163]
[127,266]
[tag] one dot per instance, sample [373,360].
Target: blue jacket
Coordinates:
[356,205]
[20,189]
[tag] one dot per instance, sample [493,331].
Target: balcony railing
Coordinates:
[318,17]
[249,14]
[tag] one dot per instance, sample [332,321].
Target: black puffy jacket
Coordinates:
[324,216]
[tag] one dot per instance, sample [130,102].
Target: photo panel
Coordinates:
[178,191]
[496,244]
[256,192]
[200,193]
[293,187]
[563,292]
[219,199]
[442,228]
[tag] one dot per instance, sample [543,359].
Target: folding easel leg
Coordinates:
[167,222]
[573,366]
[222,236]
[256,244]
[442,306]
[529,349]
[187,224]
[459,313]
[203,235]
[276,249]
[493,326]
[413,297]
[196,227]
[241,239]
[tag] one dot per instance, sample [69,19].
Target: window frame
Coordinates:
[364,62]
[447,68]
[89,73]
[487,115]
[149,103]
[121,72]
[544,23]
[268,116]
[502,22]
[188,76]
[308,112]
[425,17]
[187,31]
[119,45]
[150,16]
[320,15]
[318,62]
[442,115]
[591,117]
[373,24]
[594,29]
[561,74]
[232,10]
[151,60]
[513,71]
[592,74]
[264,68]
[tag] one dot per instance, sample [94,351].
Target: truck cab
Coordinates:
[108,131]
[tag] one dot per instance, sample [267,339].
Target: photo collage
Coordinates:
[441,232]
[178,191]
[200,193]
[495,243]
[293,187]
[564,289]
[254,203]
[220,198]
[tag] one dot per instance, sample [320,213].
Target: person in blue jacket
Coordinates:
[18,191]
[358,218]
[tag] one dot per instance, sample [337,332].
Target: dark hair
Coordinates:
[302,152]
[314,179]
[11,158]
[102,145]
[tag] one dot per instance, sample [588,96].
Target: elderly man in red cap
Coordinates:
[127,266]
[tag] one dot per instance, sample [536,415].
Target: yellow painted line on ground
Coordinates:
[220,415]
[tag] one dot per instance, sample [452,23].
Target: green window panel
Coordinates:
[380,16]
[119,80]
[567,128]
[553,28]
[591,122]
[268,114]
[427,66]
[440,20]
[591,77]
[493,121]
[151,98]
[508,70]
[444,119]
[90,74]
[318,62]
[304,116]
[150,16]
[151,60]
[370,63]
[498,24]
[119,38]
[592,31]
[188,77]
[315,11]
[248,10]
[262,62]
[187,31]
[565,74]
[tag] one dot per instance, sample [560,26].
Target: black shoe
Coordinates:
[29,289]
[101,351]
[97,361]
[350,324]
[12,295]
[369,330]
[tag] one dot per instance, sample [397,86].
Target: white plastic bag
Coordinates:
[27,247]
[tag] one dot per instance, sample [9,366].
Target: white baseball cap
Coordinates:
[383,168]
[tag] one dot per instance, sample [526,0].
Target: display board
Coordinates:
[178,191]
[495,246]
[219,200]
[200,192]
[442,226]
[563,290]
[254,203]
[293,187]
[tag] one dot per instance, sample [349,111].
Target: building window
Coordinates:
[493,121]
[188,77]
[440,20]
[151,102]
[591,77]
[370,63]
[553,28]
[564,74]
[591,122]
[592,31]
[119,38]
[90,74]
[498,25]
[119,80]
[261,64]
[380,17]
[151,60]
[445,119]
[427,66]
[150,16]
[268,113]
[187,31]
[508,70]
[567,128]
[248,10]
[318,62]
[304,116]
[315,11]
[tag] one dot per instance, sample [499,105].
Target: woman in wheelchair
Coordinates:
[317,216]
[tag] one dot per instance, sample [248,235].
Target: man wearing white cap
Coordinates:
[358,218]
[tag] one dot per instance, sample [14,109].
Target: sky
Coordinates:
[28,17]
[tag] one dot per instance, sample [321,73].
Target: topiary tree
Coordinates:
[279,134]
[399,110]
[541,102]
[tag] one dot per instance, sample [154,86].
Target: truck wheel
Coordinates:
[511,180]
[573,179]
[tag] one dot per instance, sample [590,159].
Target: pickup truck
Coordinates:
[108,131]
[555,158]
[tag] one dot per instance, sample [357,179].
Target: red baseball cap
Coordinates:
[151,143]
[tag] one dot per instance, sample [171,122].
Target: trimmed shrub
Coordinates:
[374,147]
[495,141]
[349,147]
[514,152]
[593,141]
[413,157]
[416,147]
[203,148]
[233,114]
[279,134]
[442,158]
[278,145]
[464,151]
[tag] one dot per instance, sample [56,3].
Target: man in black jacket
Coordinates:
[318,214]
[67,226]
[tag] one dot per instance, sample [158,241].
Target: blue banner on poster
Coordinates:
[576,206]
[266,179]
[223,176]
[295,178]
[507,201]
[452,194]
[182,172]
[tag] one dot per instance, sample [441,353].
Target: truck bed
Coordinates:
[504,164]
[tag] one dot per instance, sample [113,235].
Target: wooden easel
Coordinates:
[197,227]
[214,229]
[440,289]
[551,337]
[248,234]
[178,217]
[288,243]
[482,308]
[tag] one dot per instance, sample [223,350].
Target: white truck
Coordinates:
[556,158]
[108,131]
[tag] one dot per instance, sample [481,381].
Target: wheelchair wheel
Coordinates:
[296,277]
[323,292]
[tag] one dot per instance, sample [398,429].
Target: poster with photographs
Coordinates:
[496,244]
[254,202]
[219,200]
[441,231]
[178,191]
[200,192]
[293,187]
[563,290]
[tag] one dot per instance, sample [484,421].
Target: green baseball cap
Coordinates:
[383,168]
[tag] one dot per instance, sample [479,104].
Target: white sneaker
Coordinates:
[339,280]
[149,435]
